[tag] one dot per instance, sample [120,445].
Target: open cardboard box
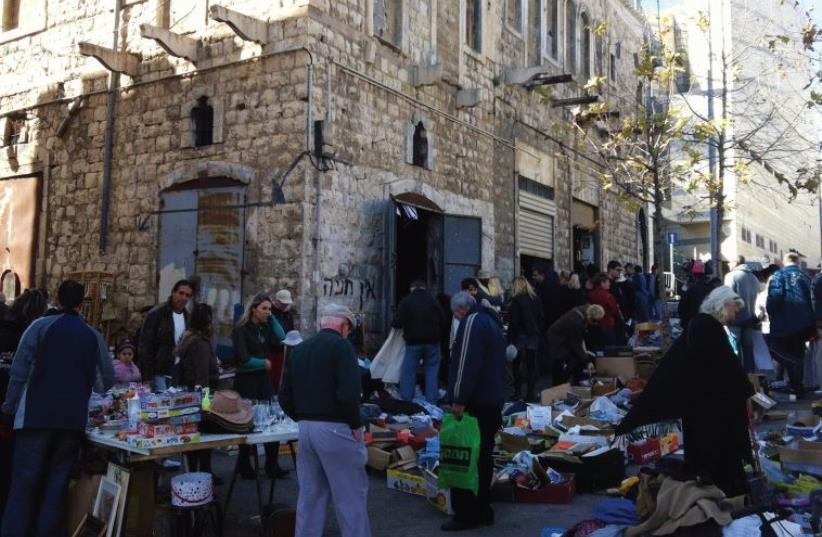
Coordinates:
[803,454]
[623,367]
[548,396]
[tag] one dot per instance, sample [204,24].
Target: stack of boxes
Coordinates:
[167,419]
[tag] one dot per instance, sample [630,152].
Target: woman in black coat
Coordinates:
[566,343]
[701,381]
[526,322]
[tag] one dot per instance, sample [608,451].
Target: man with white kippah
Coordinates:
[321,390]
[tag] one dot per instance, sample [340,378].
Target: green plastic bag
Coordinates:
[459,453]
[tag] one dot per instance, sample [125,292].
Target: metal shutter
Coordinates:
[535,226]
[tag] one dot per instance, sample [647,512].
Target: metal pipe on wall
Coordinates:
[108,144]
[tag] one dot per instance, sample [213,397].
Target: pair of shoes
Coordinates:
[457,525]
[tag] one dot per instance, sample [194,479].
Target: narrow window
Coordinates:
[585,46]
[553,28]
[536,49]
[571,38]
[513,14]
[203,117]
[599,53]
[11,15]
[15,130]
[420,146]
[388,21]
[473,24]
[612,68]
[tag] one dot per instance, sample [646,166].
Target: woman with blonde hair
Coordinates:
[526,322]
[256,337]
[701,381]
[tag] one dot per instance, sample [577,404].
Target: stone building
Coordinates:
[338,148]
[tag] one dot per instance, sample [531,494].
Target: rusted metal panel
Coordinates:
[19,208]
[219,259]
[178,241]
[205,245]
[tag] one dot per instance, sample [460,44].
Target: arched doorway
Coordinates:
[202,237]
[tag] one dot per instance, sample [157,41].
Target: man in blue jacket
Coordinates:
[790,310]
[54,370]
[477,386]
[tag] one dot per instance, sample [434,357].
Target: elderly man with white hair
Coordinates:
[321,391]
[701,381]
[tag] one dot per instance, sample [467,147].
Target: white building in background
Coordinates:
[773,131]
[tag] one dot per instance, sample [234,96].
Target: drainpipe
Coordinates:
[108,148]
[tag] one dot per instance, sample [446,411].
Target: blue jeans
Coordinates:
[43,460]
[430,356]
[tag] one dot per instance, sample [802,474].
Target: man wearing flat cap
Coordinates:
[321,390]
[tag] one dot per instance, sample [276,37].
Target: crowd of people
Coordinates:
[494,344]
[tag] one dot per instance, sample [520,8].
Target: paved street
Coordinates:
[400,515]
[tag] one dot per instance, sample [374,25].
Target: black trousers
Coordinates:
[789,352]
[527,359]
[468,507]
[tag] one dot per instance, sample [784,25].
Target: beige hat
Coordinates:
[228,405]
[283,296]
[337,310]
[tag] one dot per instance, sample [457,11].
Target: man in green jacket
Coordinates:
[321,390]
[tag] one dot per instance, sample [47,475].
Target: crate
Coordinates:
[557,493]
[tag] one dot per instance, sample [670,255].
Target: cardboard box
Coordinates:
[555,493]
[514,443]
[154,431]
[403,458]
[803,456]
[409,483]
[439,498]
[550,395]
[623,367]
[603,388]
[141,442]
[378,458]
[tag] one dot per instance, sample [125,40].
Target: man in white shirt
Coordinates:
[162,330]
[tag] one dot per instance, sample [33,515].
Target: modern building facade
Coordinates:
[771,132]
[336,148]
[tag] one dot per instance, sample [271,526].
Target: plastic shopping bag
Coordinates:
[459,453]
[762,355]
[387,364]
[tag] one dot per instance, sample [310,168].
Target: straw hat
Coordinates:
[230,407]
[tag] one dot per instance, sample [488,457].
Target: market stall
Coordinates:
[137,427]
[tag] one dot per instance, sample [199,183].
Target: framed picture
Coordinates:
[120,475]
[105,506]
[90,526]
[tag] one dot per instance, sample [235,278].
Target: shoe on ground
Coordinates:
[458,525]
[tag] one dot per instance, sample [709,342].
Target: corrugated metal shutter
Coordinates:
[535,226]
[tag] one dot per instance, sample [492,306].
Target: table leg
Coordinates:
[293,454]
[256,460]
[231,485]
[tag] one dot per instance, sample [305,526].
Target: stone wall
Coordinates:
[327,242]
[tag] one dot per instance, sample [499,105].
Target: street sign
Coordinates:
[672,238]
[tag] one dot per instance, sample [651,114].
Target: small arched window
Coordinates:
[10,285]
[420,146]
[202,116]
[585,46]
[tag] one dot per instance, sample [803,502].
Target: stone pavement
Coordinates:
[396,514]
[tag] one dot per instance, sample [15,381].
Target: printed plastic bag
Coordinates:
[762,356]
[387,363]
[459,452]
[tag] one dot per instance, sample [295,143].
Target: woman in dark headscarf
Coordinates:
[701,381]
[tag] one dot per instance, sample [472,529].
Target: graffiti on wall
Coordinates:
[359,290]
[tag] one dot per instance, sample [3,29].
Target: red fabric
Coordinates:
[605,299]
[277,360]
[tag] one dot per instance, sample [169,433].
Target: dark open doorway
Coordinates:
[418,233]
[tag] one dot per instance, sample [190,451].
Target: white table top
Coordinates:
[207,441]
